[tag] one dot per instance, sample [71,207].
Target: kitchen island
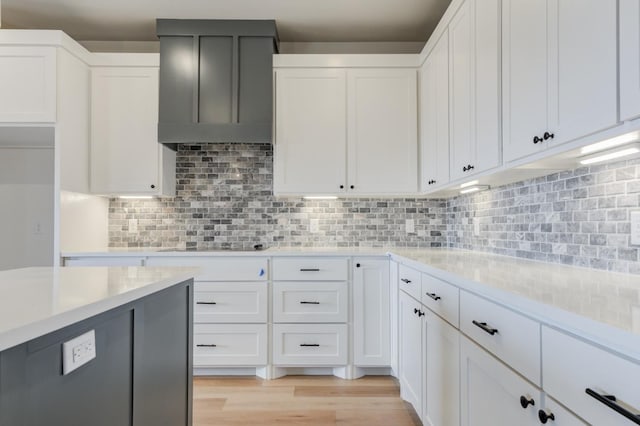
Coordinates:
[98,346]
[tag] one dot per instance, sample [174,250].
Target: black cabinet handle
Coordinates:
[485,327]
[357,265]
[341,186]
[207,346]
[404,280]
[537,140]
[206,303]
[352,187]
[153,187]
[431,182]
[467,168]
[525,402]
[416,310]
[544,417]
[309,270]
[548,135]
[309,345]
[309,303]
[420,313]
[610,401]
[434,296]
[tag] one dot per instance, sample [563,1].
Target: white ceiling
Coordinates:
[297,20]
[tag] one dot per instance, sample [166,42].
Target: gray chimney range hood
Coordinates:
[216,80]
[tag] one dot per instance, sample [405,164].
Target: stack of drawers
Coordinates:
[230,310]
[310,311]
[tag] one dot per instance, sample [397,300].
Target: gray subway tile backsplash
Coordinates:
[224,200]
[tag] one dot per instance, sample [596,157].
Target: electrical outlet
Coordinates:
[78,351]
[410,226]
[133,225]
[476,227]
[635,228]
[314,226]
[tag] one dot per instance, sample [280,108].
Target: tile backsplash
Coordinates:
[224,200]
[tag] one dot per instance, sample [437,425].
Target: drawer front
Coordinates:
[103,261]
[516,341]
[571,366]
[441,297]
[230,302]
[310,302]
[561,415]
[409,281]
[310,269]
[310,344]
[219,268]
[221,345]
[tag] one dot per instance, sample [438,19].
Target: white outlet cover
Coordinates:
[78,351]
[635,228]
[476,227]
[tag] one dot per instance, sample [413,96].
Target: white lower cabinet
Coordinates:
[410,342]
[371,313]
[310,344]
[310,302]
[441,378]
[230,302]
[223,345]
[491,393]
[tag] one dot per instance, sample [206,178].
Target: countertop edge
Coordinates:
[41,327]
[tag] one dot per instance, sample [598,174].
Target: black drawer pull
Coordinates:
[309,270]
[544,417]
[537,140]
[548,135]
[206,303]
[309,303]
[434,296]
[485,327]
[610,401]
[207,346]
[404,280]
[525,402]
[309,345]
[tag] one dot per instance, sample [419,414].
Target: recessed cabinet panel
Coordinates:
[382,141]
[216,85]
[219,345]
[434,124]
[411,351]
[177,68]
[310,302]
[27,84]
[236,302]
[310,344]
[629,59]
[255,97]
[311,130]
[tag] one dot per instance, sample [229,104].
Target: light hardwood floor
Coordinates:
[300,400]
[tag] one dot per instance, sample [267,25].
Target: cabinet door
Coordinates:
[524,79]
[442,372]
[382,131]
[474,52]
[371,322]
[582,36]
[434,118]
[410,338]
[629,59]
[491,393]
[310,136]
[27,84]
[125,154]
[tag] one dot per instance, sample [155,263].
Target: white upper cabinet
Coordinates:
[345,130]
[434,116]
[27,84]
[382,131]
[629,59]
[559,72]
[126,157]
[311,131]
[474,76]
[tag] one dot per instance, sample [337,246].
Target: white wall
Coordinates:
[26,207]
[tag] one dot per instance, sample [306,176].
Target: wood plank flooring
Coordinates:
[300,400]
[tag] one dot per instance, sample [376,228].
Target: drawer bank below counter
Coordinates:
[98,346]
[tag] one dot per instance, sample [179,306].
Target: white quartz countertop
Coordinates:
[37,301]
[272,251]
[599,305]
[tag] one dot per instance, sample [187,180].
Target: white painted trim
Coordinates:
[346,61]
[137,60]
